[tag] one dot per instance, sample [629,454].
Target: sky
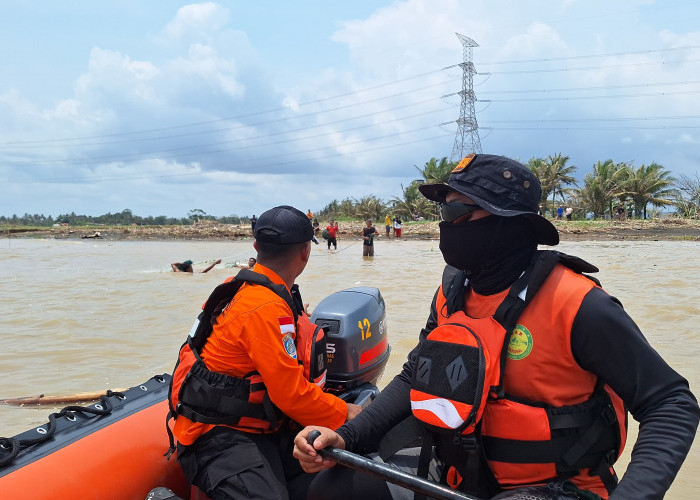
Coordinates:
[163,106]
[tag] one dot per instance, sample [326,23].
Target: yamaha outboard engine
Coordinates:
[357,343]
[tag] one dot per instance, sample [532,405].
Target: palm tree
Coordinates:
[412,202]
[346,208]
[436,171]
[687,198]
[612,178]
[592,195]
[538,167]
[553,174]
[369,207]
[558,175]
[649,184]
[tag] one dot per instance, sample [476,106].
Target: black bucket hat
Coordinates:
[500,185]
[283,225]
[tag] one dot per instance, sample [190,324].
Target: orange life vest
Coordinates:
[543,418]
[209,397]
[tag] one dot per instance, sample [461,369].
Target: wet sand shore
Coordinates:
[644,230]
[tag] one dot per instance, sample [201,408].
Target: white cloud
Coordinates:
[685,139]
[184,112]
[197,21]
[113,77]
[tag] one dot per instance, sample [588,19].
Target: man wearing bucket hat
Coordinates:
[524,371]
[241,383]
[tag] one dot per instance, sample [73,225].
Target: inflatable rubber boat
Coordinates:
[115,447]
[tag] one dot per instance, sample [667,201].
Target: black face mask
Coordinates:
[492,250]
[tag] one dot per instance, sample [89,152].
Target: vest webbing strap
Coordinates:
[224,293]
[509,311]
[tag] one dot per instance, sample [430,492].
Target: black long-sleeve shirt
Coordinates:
[606,342]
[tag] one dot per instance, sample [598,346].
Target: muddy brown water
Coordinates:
[84,315]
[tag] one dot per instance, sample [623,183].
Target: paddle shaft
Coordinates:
[41,399]
[388,473]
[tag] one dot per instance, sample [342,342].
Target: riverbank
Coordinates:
[643,230]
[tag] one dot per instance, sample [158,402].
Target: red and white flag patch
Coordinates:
[286,324]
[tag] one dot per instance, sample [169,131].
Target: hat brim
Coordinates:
[435,192]
[545,231]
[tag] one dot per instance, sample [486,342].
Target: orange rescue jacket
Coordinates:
[547,418]
[246,373]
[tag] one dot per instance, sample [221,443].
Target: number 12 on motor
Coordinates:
[364,329]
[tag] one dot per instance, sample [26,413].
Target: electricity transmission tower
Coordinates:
[467,140]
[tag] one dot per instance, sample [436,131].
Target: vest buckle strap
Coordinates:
[467,442]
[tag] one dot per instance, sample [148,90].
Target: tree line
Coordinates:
[611,189]
[123,218]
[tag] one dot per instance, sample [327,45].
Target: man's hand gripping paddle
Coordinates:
[388,473]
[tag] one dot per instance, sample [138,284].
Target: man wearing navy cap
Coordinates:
[240,384]
[525,370]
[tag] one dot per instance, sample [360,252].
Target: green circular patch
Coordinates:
[520,343]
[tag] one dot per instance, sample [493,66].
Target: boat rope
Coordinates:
[327,254]
[14,445]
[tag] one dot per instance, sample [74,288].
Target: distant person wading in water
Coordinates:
[368,233]
[250,265]
[186,267]
[332,230]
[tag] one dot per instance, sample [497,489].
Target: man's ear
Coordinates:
[255,245]
[306,253]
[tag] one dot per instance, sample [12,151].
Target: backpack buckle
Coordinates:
[466,442]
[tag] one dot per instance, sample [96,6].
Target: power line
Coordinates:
[221,169]
[579,98]
[254,114]
[193,150]
[190,150]
[597,87]
[593,56]
[588,68]
[367,89]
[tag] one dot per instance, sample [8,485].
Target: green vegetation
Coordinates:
[612,190]
[123,218]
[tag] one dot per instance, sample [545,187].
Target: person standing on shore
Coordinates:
[368,233]
[397,227]
[253,221]
[387,225]
[567,363]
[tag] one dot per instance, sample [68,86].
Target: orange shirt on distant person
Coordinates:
[253,334]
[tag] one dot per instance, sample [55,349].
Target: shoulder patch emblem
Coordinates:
[520,343]
[289,346]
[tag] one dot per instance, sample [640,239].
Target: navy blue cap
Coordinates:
[283,225]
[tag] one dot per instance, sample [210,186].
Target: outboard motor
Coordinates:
[357,344]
